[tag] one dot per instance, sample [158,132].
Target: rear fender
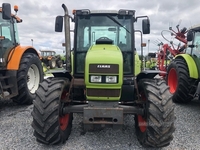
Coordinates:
[15,56]
[193,70]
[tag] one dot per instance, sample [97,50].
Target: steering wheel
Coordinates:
[6,42]
[103,38]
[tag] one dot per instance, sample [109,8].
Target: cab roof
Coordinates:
[195,27]
[120,12]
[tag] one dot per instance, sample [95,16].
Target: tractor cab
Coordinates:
[8,32]
[104,48]
[98,28]
[102,27]
[193,38]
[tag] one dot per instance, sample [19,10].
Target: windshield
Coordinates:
[91,28]
[195,51]
[8,34]
[7,30]
[110,26]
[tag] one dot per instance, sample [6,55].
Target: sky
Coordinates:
[39,16]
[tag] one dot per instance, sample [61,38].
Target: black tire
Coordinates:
[52,63]
[47,108]
[179,81]
[60,64]
[155,128]
[29,61]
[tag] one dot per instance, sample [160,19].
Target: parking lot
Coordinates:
[16,131]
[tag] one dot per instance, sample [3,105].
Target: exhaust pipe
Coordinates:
[67,38]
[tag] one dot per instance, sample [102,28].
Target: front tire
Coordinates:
[49,124]
[156,126]
[179,81]
[29,75]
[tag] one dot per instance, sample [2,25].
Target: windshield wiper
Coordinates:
[117,22]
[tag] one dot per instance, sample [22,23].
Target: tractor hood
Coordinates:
[104,54]
[103,61]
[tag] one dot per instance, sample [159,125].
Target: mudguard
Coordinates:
[15,56]
[149,74]
[193,70]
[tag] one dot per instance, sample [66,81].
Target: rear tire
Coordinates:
[52,63]
[29,75]
[179,81]
[156,126]
[50,126]
[60,64]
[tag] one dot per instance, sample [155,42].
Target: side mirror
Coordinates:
[145,26]
[190,35]
[6,11]
[59,24]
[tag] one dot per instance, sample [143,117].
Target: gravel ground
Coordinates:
[16,131]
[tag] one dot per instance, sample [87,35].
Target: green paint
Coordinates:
[197,62]
[44,66]
[152,63]
[137,64]
[193,71]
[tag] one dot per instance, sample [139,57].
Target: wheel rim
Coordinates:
[142,123]
[61,65]
[64,120]
[172,80]
[33,78]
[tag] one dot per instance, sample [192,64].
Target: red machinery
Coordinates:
[166,49]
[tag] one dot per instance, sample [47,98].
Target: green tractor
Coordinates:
[101,82]
[183,72]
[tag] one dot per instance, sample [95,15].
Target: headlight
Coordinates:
[111,79]
[95,78]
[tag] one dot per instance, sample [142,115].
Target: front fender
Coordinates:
[15,56]
[149,74]
[193,70]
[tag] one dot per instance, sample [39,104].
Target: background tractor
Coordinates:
[20,67]
[167,52]
[101,82]
[184,71]
[51,59]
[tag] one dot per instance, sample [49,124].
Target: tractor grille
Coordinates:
[102,68]
[103,92]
